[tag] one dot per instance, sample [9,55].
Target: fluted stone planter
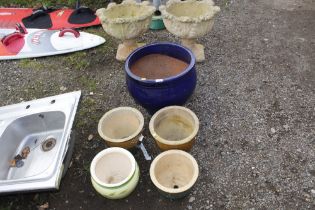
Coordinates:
[126,21]
[189,20]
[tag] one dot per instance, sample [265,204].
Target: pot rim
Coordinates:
[154,81]
[105,152]
[179,142]
[127,3]
[213,10]
[172,190]
[136,133]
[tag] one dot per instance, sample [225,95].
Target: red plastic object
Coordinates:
[11,38]
[10,16]
[70,30]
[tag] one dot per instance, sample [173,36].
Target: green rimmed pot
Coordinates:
[114,173]
[174,173]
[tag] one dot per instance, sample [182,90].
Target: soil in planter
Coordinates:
[158,66]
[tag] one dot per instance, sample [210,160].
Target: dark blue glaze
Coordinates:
[153,94]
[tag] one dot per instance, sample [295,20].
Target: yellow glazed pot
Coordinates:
[121,127]
[114,173]
[174,127]
[174,173]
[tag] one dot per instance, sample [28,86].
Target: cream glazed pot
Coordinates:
[174,173]
[189,20]
[126,21]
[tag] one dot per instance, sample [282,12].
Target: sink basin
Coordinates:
[42,127]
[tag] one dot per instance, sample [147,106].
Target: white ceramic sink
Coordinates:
[42,127]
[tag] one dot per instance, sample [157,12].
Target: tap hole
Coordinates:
[28,106]
[175,186]
[53,101]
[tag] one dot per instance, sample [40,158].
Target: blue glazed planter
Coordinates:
[156,94]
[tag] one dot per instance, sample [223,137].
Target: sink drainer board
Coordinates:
[41,128]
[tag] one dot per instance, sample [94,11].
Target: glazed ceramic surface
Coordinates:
[174,173]
[114,173]
[189,20]
[156,94]
[121,127]
[174,127]
[157,23]
[126,21]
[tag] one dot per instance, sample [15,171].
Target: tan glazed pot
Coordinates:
[126,21]
[174,173]
[189,20]
[121,127]
[174,127]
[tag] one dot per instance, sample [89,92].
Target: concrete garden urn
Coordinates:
[126,21]
[190,20]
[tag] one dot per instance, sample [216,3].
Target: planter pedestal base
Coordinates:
[197,49]
[126,48]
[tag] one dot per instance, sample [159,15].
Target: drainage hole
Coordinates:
[48,144]
[175,187]
[53,101]
[28,106]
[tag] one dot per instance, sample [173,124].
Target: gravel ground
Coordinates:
[255,101]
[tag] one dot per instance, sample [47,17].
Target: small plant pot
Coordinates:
[174,127]
[121,127]
[157,23]
[114,173]
[174,173]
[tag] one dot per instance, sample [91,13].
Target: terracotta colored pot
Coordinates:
[114,173]
[121,127]
[174,173]
[174,127]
